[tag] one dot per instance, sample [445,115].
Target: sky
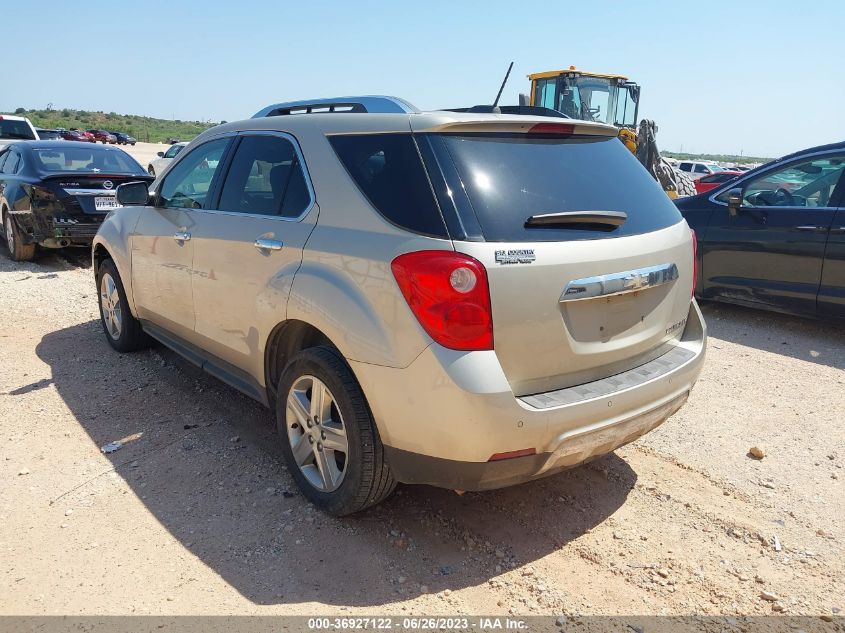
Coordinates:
[758,77]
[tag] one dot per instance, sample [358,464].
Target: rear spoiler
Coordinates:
[521,126]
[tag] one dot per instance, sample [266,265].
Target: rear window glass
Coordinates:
[18,130]
[511,177]
[388,170]
[94,159]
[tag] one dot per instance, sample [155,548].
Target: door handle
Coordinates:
[812,228]
[181,236]
[264,244]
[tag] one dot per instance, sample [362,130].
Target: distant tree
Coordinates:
[65,112]
[20,110]
[223,122]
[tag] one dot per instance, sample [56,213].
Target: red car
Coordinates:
[73,135]
[102,136]
[86,136]
[712,181]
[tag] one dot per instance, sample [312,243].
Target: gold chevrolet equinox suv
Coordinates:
[463,299]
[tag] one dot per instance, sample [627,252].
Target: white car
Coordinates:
[157,165]
[16,128]
[698,169]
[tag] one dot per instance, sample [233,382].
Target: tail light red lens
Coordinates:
[694,261]
[449,295]
[552,128]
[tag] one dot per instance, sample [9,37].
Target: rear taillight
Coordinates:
[694,261]
[449,295]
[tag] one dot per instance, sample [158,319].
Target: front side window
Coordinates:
[173,150]
[701,169]
[544,93]
[187,185]
[267,178]
[808,183]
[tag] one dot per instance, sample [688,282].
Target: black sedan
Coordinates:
[123,138]
[55,194]
[774,237]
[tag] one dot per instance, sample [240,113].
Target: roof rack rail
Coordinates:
[368,103]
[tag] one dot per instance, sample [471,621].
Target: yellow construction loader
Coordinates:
[611,99]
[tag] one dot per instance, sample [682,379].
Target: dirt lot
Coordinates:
[195,514]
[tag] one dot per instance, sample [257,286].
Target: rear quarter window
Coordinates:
[388,170]
[511,177]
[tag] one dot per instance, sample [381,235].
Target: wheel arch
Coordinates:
[286,340]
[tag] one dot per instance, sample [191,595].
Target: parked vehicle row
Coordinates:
[469,340]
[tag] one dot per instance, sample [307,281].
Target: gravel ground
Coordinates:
[195,514]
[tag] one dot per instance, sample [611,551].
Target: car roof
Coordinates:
[13,117]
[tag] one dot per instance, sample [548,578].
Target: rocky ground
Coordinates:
[196,514]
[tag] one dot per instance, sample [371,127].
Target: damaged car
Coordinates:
[55,194]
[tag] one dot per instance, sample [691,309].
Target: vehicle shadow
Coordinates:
[48,260]
[816,341]
[205,461]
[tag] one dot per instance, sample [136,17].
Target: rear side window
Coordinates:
[387,168]
[10,166]
[265,178]
[511,177]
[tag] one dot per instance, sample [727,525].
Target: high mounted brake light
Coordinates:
[552,128]
[449,295]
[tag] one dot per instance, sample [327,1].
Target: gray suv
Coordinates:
[468,300]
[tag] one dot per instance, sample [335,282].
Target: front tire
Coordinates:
[123,331]
[18,251]
[329,439]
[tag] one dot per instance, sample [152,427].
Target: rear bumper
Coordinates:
[414,468]
[444,416]
[49,232]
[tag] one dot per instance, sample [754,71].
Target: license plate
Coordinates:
[105,203]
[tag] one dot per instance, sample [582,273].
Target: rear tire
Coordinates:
[320,401]
[123,331]
[18,251]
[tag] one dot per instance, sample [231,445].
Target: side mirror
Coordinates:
[133,194]
[160,154]
[734,200]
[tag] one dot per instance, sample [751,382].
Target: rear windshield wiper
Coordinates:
[585,220]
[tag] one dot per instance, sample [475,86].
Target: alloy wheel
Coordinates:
[316,433]
[10,233]
[110,302]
